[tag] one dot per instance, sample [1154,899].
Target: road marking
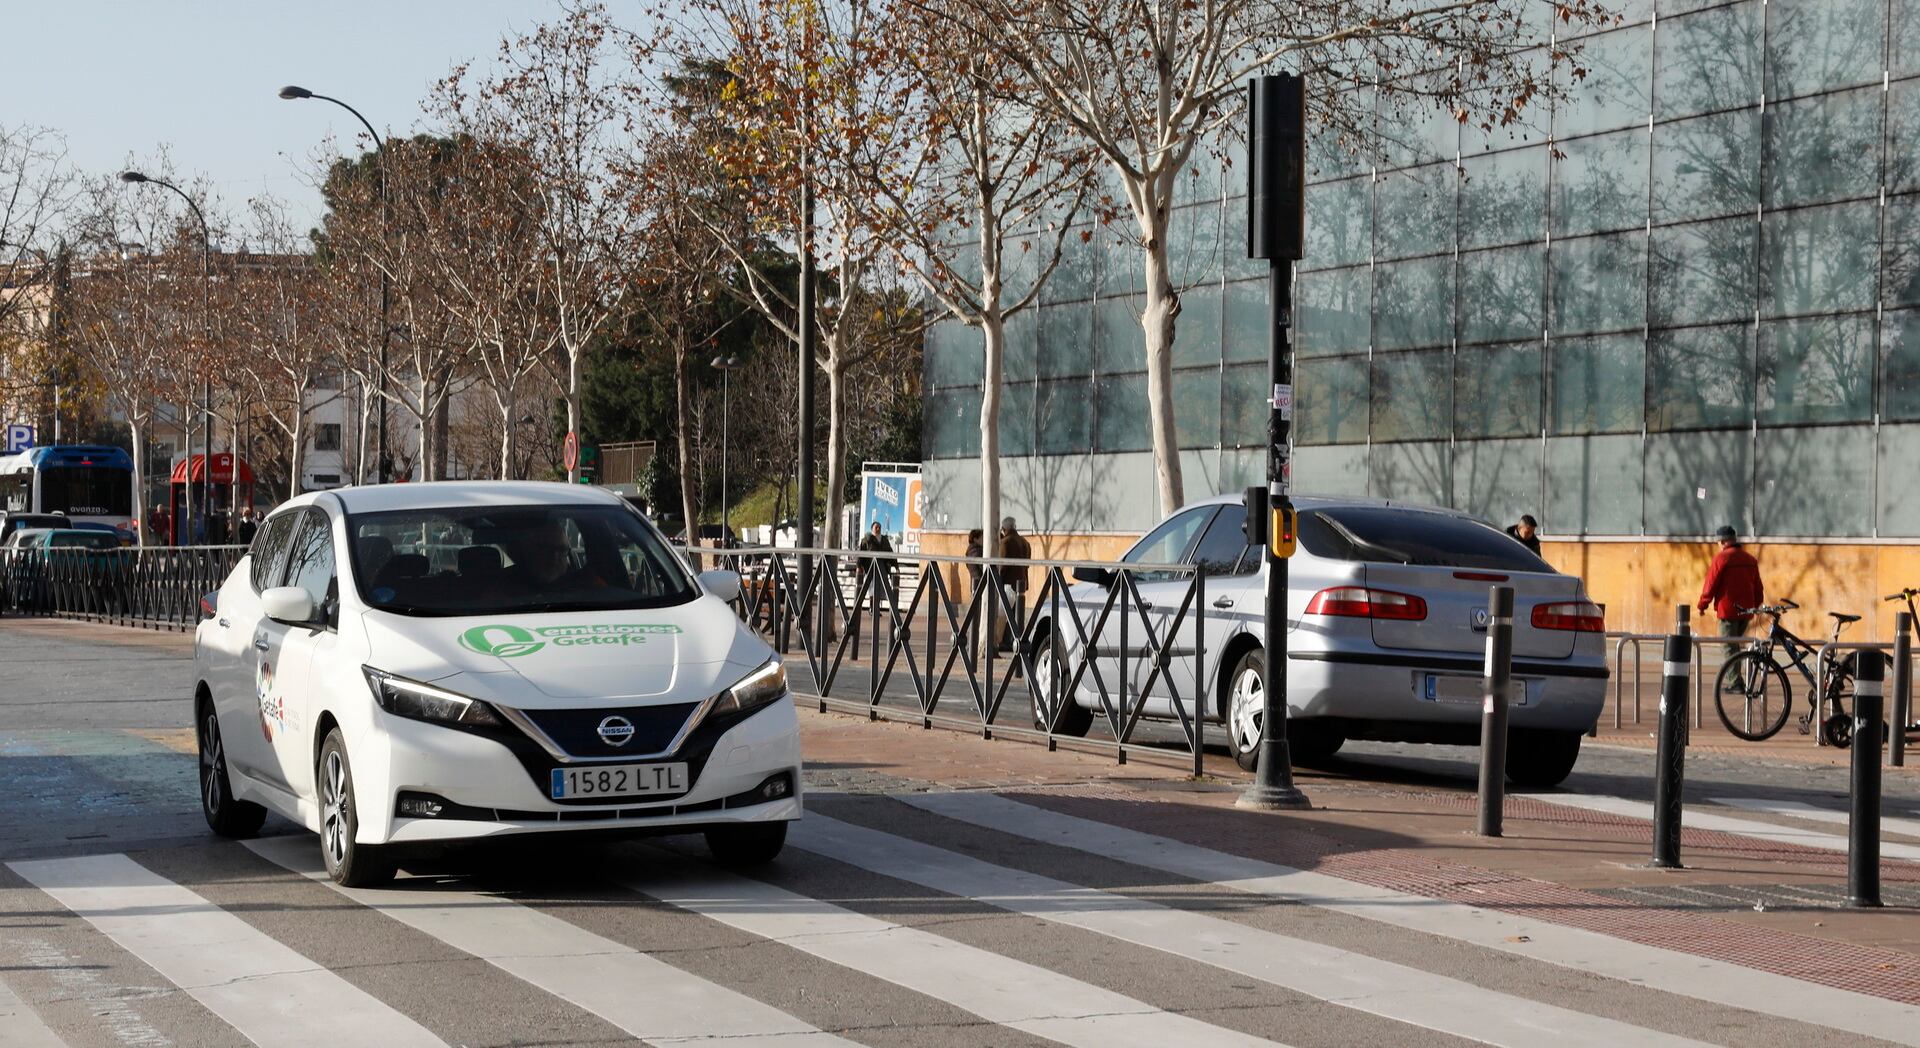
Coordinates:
[647,998]
[21,1026]
[1702,978]
[271,994]
[1803,810]
[1342,977]
[1697,819]
[999,989]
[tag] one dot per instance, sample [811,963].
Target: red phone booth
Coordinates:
[232,486]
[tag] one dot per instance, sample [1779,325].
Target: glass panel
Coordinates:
[1416,211]
[1698,482]
[1706,166]
[953,423]
[1599,283]
[1819,260]
[1818,45]
[1330,401]
[1700,377]
[1816,369]
[1899,502]
[1497,480]
[1616,90]
[1600,183]
[1503,198]
[1196,407]
[1066,339]
[1066,417]
[1119,344]
[1196,334]
[1073,277]
[1122,414]
[1194,244]
[1823,148]
[1243,412]
[1599,384]
[1594,485]
[955,354]
[1497,391]
[1707,62]
[1413,303]
[1528,126]
[1332,150]
[1702,273]
[1412,129]
[1333,314]
[1023,346]
[1902,251]
[1339,223]
[1903,133]
[1246,337]
[1904,54]
[1828,501]
[1234,260]
[1411,395]
[1674,7]
[1331,469]
[1409,472]
[1900,366]
[1120,262]
[1502,294]
[1016,419]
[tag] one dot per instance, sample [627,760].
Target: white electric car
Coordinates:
[420,663]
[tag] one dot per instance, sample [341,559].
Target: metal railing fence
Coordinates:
[985,652]
[153,586]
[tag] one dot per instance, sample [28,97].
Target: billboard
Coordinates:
[897,502]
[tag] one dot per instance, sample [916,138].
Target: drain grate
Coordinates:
[1725,898]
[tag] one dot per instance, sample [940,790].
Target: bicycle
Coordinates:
[1906,595]
[1756,681]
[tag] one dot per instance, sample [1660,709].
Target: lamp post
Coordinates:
[726,366]
[292,94]
[206,327]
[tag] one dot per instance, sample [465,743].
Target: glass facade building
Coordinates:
[1689,296]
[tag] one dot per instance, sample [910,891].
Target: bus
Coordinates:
[90,483]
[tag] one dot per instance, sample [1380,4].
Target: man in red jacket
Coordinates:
[1733,585]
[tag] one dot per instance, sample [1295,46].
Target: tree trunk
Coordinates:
[836,444]
[139,431]
[1157,322]
[297,454]
[993,330]
[684,447]
[362,411]
[423,467]
[573,408]
[509,435]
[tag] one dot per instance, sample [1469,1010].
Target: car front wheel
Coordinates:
[225,815]
[349,863]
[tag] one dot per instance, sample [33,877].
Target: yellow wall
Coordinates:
[1641,582]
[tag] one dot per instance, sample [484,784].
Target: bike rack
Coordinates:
[1820,679]
[1621,640]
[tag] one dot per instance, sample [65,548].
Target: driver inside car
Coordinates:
[543,560]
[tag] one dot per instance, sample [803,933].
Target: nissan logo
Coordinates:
[616,731]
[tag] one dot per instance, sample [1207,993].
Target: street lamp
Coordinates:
[206,326]
[726,366]
[293,93]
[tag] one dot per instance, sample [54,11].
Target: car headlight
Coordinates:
[416,701]
[754,690]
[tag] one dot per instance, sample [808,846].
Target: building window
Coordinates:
[326,436]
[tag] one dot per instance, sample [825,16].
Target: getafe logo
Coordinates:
[509,642]
[273,710]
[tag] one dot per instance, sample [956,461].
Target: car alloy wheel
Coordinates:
[1246,705]
[225,815]
[334,809]
[349,862]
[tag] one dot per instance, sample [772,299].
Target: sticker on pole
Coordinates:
[1282,401]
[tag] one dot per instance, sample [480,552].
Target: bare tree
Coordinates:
[278,360]
[36,193]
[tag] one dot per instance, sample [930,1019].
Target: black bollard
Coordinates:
[1863,821]
[1670,759]
[1902,689]
[1498,677]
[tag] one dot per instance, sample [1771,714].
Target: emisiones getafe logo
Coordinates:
[504,641]
[511,641]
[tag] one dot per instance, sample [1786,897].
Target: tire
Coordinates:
[1539,759]
[350,863]
[1837,731]
[1752,696]
[1072,719]
[1313,740]
[1245,703]
[225,815]
[747,844]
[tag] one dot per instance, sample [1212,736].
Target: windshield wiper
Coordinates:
[1347,533]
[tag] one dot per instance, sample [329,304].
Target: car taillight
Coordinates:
[1360,602]
[1582,615]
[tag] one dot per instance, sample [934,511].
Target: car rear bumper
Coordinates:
[1386,689]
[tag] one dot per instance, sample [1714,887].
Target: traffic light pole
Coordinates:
[1276,149]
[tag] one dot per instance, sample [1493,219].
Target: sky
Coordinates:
[119,79]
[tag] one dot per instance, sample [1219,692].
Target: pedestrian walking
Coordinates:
[877,568]
[1014,546]
[1733,585]
[244,531]
[1527,533]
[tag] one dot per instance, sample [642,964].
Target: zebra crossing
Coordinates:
[963,919]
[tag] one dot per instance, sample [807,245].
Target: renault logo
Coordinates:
[616,731]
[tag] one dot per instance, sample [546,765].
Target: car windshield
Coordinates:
[87,539]
[1383,534]
[503,560]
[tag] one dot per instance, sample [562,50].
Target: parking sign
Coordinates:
[19,438]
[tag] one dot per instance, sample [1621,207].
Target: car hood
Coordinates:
[668,654]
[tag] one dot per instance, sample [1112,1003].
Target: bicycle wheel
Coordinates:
[1752,696]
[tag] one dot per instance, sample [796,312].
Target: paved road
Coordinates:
[897,917]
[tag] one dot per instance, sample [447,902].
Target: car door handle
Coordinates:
[1223,602]
[222,623]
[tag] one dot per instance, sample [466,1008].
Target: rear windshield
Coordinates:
[513,560]
[1382,534]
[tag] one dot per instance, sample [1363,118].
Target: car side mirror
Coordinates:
[721,583]
[1098,576]
[289,604]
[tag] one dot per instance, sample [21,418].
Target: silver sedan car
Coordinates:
[1386,632]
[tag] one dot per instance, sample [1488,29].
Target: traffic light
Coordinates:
[1254,524]
[1282,531]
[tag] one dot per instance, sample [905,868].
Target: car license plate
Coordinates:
[618,780]
[1468,691]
